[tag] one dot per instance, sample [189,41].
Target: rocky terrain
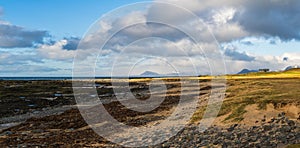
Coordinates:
[277,132]
[21,97]
[70,130]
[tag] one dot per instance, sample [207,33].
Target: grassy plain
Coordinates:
[278,89]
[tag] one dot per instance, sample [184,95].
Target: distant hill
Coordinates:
[149,73]
[293,70]
[292,67]
[245,71]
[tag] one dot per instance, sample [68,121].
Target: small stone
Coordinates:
[271,132]
[290,122]
[232,127]
[272,120]
[282,114]
[286,129]
[7,133]
[205,142]
[215,142]
[42,137]
[253,127]
[36,112]
[290,136]
[38,131]
[267,127]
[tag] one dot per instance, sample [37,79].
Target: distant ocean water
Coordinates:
[62,78]
[35,78]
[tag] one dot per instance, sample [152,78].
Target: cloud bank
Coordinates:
[227,20]
[12,36]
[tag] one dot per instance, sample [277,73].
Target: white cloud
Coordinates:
[224,15]
[293,59]
[56,51]
[228,21]
[132,18]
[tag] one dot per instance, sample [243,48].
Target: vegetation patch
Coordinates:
[261,91]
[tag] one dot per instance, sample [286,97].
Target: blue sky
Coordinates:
[39,38]
[61,18]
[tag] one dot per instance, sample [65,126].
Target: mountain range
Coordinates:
[149,73]
[155,74]
[245,71]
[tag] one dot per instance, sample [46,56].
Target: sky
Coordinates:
[41,38]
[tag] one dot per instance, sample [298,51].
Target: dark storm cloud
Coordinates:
[12,36]
[235,55]
[276,18]
[259,18]
[72,43]
[140,31]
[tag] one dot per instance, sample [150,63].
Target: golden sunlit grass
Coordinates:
[274,91]
[276,88]
[243,92]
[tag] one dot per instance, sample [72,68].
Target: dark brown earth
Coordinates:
[19,97]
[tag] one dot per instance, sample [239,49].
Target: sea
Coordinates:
[35,78]
[68,78]
[47,78]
